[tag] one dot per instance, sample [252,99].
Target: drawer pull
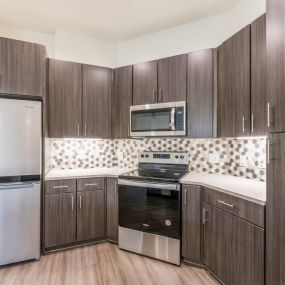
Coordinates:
[60,187]
[80,201]
[226,204]
[91,184]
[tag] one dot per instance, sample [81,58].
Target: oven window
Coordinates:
[150,210]
[151,120]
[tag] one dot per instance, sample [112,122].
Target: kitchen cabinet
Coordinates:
[22,68]
[275,67]
[200,94]
[275,211]
[191,223]
[64,99]
[91,215]
[145,83]
[233,248]
[258,77]
[97,91]
[172,78]
[112,209]
[122,100]
[233,114]
[60,219]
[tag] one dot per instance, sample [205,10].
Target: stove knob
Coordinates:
[176,156]
[142,155]
[147,156]
[181,156]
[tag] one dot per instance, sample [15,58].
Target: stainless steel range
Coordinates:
[150,206]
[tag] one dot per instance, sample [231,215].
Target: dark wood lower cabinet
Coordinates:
[191,224]
[90,215]
[233,248]
[112,209]
[60,219]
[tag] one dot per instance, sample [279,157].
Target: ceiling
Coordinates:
[108,19]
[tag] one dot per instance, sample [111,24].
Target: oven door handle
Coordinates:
[148,184]
[172,119]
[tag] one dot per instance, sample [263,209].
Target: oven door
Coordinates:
[164,119]
[150,207]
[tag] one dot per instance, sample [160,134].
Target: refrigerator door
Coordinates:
[19,222]
[20,137]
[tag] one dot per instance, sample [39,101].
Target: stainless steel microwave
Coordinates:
[158,120]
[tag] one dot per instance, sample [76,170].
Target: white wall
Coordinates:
[197,35]
[207,33]
[84,49]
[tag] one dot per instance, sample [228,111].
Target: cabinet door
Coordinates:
[191,223]
[112,209]
[275,211]
[65,99]
[145,83]
[258,76]
[60,219]
[97,91]
[200,94]
[22,68]
[275,67]
[122,100]
[91,215]
[172,78]
[233,248]
[234,85]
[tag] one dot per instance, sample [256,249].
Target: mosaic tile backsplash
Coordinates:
[238,157]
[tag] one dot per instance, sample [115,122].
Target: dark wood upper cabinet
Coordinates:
[233,112]
[191,224]
[275,67]
[122,100]
[60,219]
[233,248]
[97,92]
[172,77]
[275,211]
[200,94]
[22,68]
[91,215]
[145,83]
[64,99]
[258,77]
[112,209]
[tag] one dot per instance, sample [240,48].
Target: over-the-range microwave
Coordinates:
[158,120]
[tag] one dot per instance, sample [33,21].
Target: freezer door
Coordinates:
[19,222]
[20,137]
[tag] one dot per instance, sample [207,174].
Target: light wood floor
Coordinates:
[101,264]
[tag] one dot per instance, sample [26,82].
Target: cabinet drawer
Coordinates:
[91,184]
[247,210]
[60,186]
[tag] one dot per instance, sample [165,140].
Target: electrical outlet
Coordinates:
[243,161]
[262,162]
[214,157]
[120,154]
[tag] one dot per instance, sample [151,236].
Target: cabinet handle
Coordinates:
[80,201]
[116,189]
[85,130]
[226,204]
[153,95]
[185,196]
[268,151]
[204,216]
[59,187]
[72,203]
[268,114]
[128,131]
[160,95]
[252,124]
[91,184]
[243,128]
[78,130]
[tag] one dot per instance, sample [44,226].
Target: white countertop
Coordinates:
[248,189]
[85,172]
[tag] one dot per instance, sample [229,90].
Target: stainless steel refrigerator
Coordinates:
[20,172]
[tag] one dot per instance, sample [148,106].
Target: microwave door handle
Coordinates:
[172,119]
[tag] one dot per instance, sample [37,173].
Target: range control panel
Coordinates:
[163,157]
